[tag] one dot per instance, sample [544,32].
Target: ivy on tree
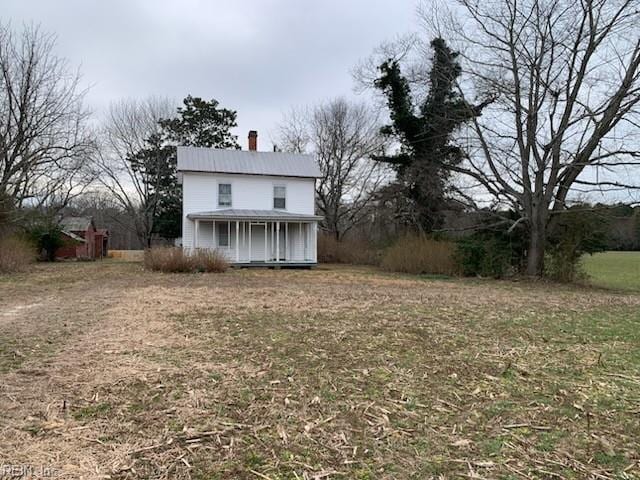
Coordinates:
[426,153]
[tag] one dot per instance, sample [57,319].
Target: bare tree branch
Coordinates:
[44,138]
[343,136]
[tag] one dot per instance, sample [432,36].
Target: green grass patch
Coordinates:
[92,411]
[618,270]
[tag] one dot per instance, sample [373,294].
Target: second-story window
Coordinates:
[224,194]
[279,197]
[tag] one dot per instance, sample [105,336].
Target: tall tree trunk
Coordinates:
[535,250]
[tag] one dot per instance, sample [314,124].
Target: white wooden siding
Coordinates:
[254,192]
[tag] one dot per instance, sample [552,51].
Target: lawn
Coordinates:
[620,270]
[107,371]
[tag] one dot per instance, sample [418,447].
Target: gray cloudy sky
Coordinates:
[257,57]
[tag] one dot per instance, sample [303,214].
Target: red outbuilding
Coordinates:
[82,240]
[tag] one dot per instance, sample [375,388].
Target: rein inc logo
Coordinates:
[26,471]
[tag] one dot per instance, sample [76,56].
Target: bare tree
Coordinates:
[44,139]
[128,128]
[343,136]
[565,79]
[107,213]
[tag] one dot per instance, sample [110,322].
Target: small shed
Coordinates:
[81,239]
[70,245]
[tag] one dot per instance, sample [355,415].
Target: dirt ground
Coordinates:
[108,371]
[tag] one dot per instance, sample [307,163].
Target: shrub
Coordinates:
[484,255]
[48,238]
[210,261]
[577,231]
[418,254]
[164,259]
[563,266]
[16,254]
[349,250]
[175,260]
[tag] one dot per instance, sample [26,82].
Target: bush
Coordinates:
[563,266]
[16,254]
[484,256]
[175,260]
[418,254]
[351,251]
[165,259]
[210,261]
[48,238]
[577,231]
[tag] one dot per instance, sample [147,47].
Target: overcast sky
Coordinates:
[259,57]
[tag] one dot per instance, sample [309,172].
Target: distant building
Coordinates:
[82,240]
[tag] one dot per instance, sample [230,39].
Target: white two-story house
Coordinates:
[257,208]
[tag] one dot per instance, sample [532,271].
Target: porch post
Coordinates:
[315,242]
[286,240]
[266,252]
[237,241]
[213,233]
[197,232]
[249,241]
[277,240]
[305,237]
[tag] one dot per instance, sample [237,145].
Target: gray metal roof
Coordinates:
[196,159]
[76,224]
[236,214]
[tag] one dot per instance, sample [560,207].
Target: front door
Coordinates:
[257,242]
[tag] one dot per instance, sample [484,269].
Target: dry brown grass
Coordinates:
[174,260]
[16,254]
[340,373]
[416,254]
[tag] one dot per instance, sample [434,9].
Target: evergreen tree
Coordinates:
[199,123]
[426,153]
[202,123]
[156,164]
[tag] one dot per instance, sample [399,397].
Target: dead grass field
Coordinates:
[330,373]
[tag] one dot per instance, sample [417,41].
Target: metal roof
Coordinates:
[73,236]
[76,224]
[281,164]
[235,214]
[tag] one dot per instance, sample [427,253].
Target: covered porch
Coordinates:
[257,237]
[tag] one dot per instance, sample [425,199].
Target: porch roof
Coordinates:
[261,215]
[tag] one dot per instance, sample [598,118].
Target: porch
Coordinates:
[257,238]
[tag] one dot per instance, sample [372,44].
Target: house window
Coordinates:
[224,194]
[280,197]
[223,234]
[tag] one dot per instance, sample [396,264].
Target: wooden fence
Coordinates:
[127,255]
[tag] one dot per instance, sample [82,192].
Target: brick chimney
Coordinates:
[253,140]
